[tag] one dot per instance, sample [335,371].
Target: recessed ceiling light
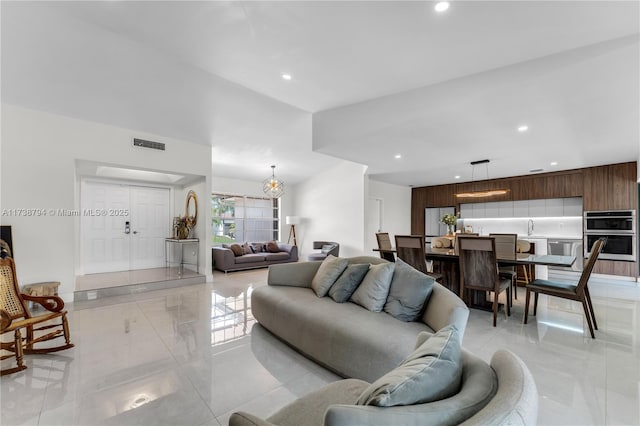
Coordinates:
[398,156]
[286,76]
[523,128]
[554,163]
[457,176]
[441,6]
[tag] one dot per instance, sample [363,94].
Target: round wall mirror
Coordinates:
[191,209]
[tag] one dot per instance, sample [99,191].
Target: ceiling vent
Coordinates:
[148,144]
[536,170]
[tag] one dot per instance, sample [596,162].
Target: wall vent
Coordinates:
[148,144]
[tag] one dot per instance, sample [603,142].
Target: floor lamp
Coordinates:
[293,221]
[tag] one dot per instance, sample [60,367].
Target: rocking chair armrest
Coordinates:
[5,320]
[50,303]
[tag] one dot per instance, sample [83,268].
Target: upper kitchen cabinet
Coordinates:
[572,206]
[554,207]
[608,187]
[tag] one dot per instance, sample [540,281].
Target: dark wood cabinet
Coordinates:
[610,187]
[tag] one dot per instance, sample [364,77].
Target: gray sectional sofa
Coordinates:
[363,346]
[223,258]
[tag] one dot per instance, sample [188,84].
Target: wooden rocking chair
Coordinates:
[15,316]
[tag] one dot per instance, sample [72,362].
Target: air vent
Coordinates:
[536,170]
[148,144]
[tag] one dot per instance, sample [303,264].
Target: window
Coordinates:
[237,218]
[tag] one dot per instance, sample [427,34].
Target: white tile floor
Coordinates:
[188,356]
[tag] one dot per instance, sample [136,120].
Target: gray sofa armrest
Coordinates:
[293,274]
[479,386]
[223,258]
[516,402]
[291,249]
[444,308]
[241,418]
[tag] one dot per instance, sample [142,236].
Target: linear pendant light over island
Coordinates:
[480,194]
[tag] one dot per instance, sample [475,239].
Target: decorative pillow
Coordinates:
[237,249]
[410,290]
[247,248]
[344,287]
[272,247]
[327,274]
[430,373]
[374,289]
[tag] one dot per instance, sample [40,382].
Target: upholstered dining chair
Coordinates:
[578,292]
[479,270]
[15,316]
[384,243]
[506,248]
[410,248]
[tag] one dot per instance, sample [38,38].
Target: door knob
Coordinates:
[135,232]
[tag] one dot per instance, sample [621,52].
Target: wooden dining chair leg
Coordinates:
[495,307]
[593,313]
[535,303]
[588,316]
[526,305]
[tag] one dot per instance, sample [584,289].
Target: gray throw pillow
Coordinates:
[327,274]
[374,289]
[430,373]
[410,291]
[344,287]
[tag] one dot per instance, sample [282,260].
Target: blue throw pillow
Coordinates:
[347,283]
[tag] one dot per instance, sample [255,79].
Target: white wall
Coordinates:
[39,151]
[331,206]
[396,211]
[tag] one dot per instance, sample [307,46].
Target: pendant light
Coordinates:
[481,194]
[273,186]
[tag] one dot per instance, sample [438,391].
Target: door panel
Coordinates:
[150,225]
[104,246]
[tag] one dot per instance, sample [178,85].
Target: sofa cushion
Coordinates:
[276,256]
[430,373]
[272,247]
[327,274]
[347,283]
[247,249]
[237,249]
[409,292]
[345,337]
[251,258]
[310,409]
[373,291]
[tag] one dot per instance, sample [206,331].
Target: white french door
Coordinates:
[123,227]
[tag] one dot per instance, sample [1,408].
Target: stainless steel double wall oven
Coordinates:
[620,229]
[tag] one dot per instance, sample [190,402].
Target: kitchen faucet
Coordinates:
[530,227]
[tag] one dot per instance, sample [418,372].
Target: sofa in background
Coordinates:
[327,248]
[365,346]
[224,259]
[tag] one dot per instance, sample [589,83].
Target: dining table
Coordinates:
[447,261]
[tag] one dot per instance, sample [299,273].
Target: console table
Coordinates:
[170,246]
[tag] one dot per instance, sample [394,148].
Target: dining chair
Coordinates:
[15,316]
[524,246]
[479,270]
[455,241]
[578,292]
[384,243]
[410,248]
[506,248]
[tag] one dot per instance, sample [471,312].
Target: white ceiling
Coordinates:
[382,78]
